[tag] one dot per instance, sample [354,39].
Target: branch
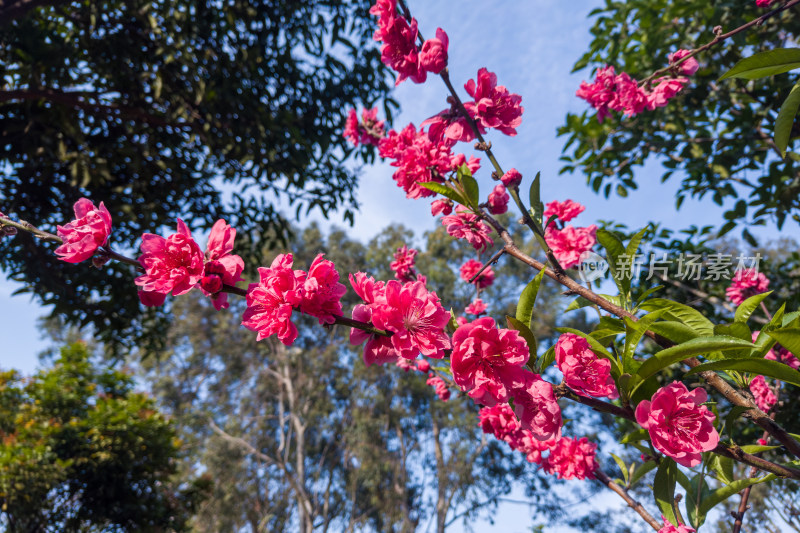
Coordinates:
[15,9]
[603,478]
[492,260]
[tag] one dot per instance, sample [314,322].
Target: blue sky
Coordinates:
[531,46]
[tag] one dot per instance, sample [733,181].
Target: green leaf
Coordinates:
[635,436]
[537,207]
[746,308]
[677,332]
[765,64]
[723,493]
[526,334]
[641,471]
[633,245]
[723,466]
[698,346]
[621,465]
[648,292]
[470,185]
[788,338]
[682,313]
[580,302]
[614,251]
[634,333]
[444,190]
[697,493]
[546,360]
[528,298]
[735,412]
[765,367]
[664,488]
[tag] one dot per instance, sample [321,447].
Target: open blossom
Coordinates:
[664,91]
[512,178]
[403,264]
[500,421]
[779,353]
[415,317]
[498,200]
[417,159]
[439,386]
[493,106]
[569,243]
[763,395]
[477,307]
[433,56]
[271,300]
[583,371]
[537,408]
[746,283]
[572,459]
[450,126]
[471,267]
[486,361]
[175,264]
[399,49]
[526,443]
[688,67]
[564,211]
[84,235]
[764,3]
[320,291]
[221,266]
[601,93]
[679,426]
[670,528]
[369,130]
[464,225]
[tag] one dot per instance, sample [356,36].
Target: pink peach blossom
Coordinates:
[84,235]
[536,407]
[498,200]
[688,67]
[174,264]
[433,56]
[572,459]
[512,178]
[670,528]
[763,395]
[583,371]
[443,207]
[270,301]
[679,426]
[746,283]
[486,361]
[471,267]
[564,211]
[321,292]
[477,307]
[440,387]
[221,266]
[464,225]
[403,264]
[493,106]
[569,243]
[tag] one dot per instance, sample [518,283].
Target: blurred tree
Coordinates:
[173,109]
[716,136]
[80,451]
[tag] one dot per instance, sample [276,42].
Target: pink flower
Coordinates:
[500,421]
[669,528]
[486,361]
[473,163]
[572,459]
[477,307]
[679,426]
[174,264]
[601,93]
[763,3]
[399,50]
[384,10]
[564,211]
[583,371]
[84,235]
[779,353]
[498,200]
[746,283]
[537,408]
[221,266]
[630,98]
[450,126]
[762,442]
[464,225]
[417,159]
[763,395]
[525,442]
[403,264]
[271,300]
[379,349]
[369,131]
[512,178]
[666,89]
[688,67]
[422,365]
[471,267]
[416,317]
[461,320]
[569,243]
[494,106]
[321,292]
[444,207]
[433,56]
[439,386]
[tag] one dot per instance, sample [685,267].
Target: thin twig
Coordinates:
[603,478]
[492,260]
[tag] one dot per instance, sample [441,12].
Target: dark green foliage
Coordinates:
[173,109]
[716,136]
[80,451]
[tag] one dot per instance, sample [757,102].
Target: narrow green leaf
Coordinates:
[682,313]
[765,64]
[648,292]
[723,467]
[614,252]
[444,190]
[528,298]
[546,360]
[633,245]
[580,302]
[698,346]
[677,332]
[747,307]
[526,334]
[765,367]
[634,333]
[723,493]
[735,412]
[470,185]
[641,471]
[535,195]
[789,338]
[664,488]
[621,465]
